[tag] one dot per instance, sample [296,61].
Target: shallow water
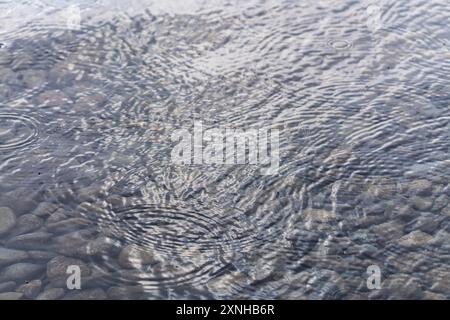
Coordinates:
[91,93]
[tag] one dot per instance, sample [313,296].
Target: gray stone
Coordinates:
[101,246]
[7,220]
[125,293]
[416,239]
[30,289]
[319,215]
[56,216]
[88,102]
[88,294]
[427,222]
[53,98]
[45,209]
[236,278]
[11,296]
[421,203]
[133,256]
[27,223]
[9,256]
[51,294]
[7,286]
[74,244]
[41,255]
[5,59]
[35,240]
[433,296]
[388,230]
[420,187]
[441,280]
[446,210]
[89,194]
[57,267]
[21,272]
[21,200]
[440,203]
[33,78]
[68,225]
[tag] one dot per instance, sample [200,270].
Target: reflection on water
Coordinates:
[92,91]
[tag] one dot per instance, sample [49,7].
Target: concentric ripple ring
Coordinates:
[17,131]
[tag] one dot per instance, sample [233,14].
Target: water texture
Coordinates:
[91,93]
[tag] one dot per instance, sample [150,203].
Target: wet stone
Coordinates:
[388,230]
[319,215]
[440,280]
[326,284]
[27,224]
[399,287]
[427,222]
[51,294]
[102,245]
[41,255]
[420,187]
[68,225]
[21,272]
[421,203]
[7,220]
[30,289]
[11,296]
[10,256]
[416,239]
[125,293]
[133,256]
[74,244]
[440,203]
[21,200]
[446,210]
[33,78]
[56,216]
[57,267]
[7,286]
[87,103]
[434,296]
[53,98]
[37,240]
[45,209]
[88,294]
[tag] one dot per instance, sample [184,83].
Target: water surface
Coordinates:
[91,92]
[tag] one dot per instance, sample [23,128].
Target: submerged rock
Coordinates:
[319,215]
[416,239]
[7,220]
[133,256]
[57,267]
[45,209]
[421,187]
[125,293]
[68,225]
[30,289]
[7,286]
[21,272]
[11,296]
[51,294]
[35,240]
[88,294]
[28,223]
[421,203]
[10,256]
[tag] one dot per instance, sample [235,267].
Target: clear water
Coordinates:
[92,91]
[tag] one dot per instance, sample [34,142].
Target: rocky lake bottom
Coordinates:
[90,96]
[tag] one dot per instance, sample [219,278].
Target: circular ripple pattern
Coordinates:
[16,131]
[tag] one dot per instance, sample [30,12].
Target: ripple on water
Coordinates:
[17,131]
